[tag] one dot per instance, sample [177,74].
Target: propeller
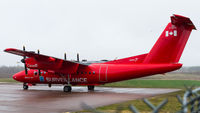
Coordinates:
[77,57]
[38,51]
[23,61]
[65,56]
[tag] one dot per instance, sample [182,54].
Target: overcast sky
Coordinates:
[103,29]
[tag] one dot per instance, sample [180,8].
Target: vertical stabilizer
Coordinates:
[172,41]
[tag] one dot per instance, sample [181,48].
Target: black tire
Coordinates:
[90,88]
[67,89]
[49,85]
[25,87]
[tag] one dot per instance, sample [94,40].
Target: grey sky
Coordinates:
[103,29]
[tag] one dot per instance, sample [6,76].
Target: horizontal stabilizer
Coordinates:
[181,20]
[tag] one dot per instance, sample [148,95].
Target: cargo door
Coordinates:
[103,73]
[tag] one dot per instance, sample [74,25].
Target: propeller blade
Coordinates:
[65,56]
[26,71]
[23,61]
[39,72]
[38,51]
[77,57]
[23,48]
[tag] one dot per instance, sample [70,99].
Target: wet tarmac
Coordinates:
[41,99]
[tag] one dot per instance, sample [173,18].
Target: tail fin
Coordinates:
[172,41]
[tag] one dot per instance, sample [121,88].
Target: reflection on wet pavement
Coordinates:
[42,99]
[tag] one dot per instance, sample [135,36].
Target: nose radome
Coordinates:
[18,76]
[14,76]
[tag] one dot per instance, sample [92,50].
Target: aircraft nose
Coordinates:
[14,76]
[18,76]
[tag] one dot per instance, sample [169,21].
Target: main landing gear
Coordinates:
[49,85]
[25,86]
[68,87]
[90,88]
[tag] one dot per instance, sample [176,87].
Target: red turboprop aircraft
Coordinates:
[162,58]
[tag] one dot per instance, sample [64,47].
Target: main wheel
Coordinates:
[49,85]
[91,88]
[25,87]
[67,89]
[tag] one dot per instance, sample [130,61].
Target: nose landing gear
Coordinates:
[25,86]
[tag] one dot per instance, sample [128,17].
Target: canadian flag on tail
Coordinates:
[171,33]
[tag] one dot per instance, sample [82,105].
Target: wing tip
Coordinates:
[9,49]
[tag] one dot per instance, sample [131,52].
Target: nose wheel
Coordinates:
[67,89]
[25,86]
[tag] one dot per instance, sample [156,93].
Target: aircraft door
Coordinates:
[103,73]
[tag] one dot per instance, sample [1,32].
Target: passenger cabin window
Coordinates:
[93,72]
[89,73]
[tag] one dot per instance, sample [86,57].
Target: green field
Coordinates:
[139,83]
[10,80]
[171,107]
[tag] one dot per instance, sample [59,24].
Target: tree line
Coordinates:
[8,71]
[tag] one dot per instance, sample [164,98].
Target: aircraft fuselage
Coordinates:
[96,74]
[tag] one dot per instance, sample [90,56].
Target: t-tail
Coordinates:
[172,41]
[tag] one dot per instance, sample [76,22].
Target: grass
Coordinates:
[10,80]
[138,83]
[173,76]
[172,106]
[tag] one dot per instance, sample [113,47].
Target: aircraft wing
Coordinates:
[48,63]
